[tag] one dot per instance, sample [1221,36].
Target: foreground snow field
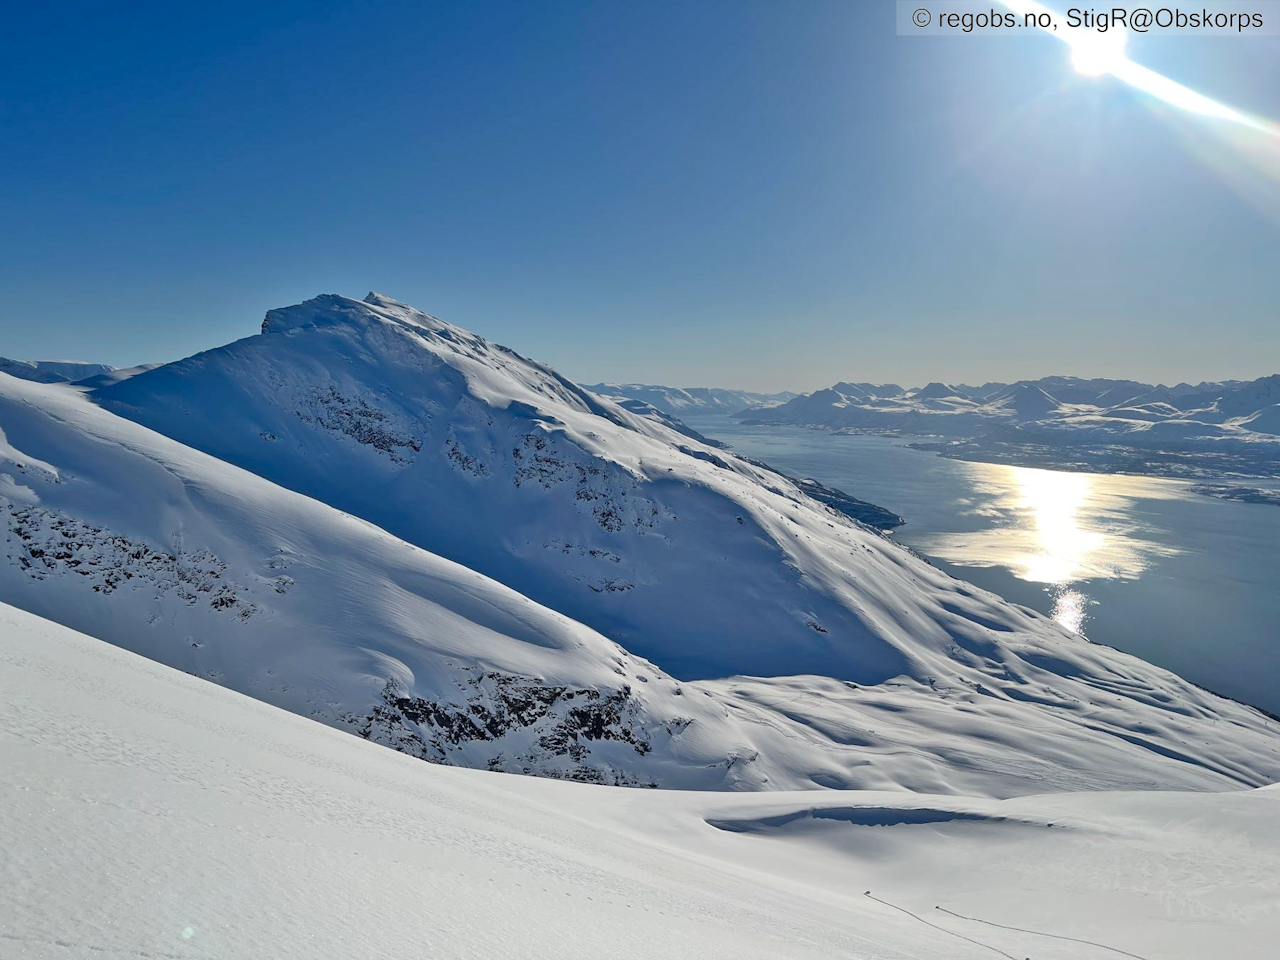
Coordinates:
[152,814]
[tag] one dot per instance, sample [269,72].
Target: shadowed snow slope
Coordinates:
[148,813]
[704,563]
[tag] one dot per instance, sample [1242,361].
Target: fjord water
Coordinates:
[1143,564]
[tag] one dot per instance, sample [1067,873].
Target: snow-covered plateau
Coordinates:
[151,814]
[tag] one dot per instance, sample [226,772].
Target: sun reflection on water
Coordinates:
[1054,502]
[1058,529]
[1064,547]
[1070,608]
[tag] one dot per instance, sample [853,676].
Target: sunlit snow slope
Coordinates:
[113,529]
[471,451]
[151,814]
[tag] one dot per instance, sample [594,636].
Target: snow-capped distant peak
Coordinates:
[1029,402]
[935,391]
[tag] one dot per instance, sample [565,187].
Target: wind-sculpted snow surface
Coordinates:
[149,814]
[876,670]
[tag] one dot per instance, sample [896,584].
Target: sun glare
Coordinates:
[1094,54]
[1097,53]
[1053,501]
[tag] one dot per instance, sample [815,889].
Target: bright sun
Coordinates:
[1094,54]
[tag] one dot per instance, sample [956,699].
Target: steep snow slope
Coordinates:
[680,552]
[148,813]
[645,409]
[114,375]
[168,552]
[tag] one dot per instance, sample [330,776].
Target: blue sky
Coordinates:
[765,195]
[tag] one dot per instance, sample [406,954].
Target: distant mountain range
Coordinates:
[52,371]
[684,401]
[1194,430]
[379,520]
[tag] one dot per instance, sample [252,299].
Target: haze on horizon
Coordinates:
[725,195]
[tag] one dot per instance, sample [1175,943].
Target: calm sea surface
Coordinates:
[1183,580]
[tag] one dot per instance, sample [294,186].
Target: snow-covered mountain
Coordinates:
[52,371]
[1063,389]
[996,404]
[472,452]
[590,537]
[151,814]
[1026,402]
[935,391]
[200,565]
[1225,427]
[936,409]
[684,401]
[1238,400]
